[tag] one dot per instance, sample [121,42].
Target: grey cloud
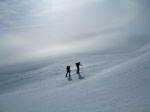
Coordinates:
[31,28]
[14,12]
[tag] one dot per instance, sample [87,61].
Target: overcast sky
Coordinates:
[35,29]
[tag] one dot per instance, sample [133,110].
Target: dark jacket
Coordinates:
[68,68]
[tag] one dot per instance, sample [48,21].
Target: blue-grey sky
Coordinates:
[35,29]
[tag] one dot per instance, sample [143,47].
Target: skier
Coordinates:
[78,64]
[68,70]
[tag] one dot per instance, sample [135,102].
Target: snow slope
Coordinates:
[107,83]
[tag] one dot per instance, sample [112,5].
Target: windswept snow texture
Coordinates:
[107,83]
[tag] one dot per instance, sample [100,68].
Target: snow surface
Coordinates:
[107,83]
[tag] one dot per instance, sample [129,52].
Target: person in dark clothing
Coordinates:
[68,71]
[78,64]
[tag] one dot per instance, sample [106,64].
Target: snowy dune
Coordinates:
[108,83]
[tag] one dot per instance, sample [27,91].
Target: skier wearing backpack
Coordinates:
[78,64]
[68,71]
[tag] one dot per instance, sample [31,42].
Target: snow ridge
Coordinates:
[111,83]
